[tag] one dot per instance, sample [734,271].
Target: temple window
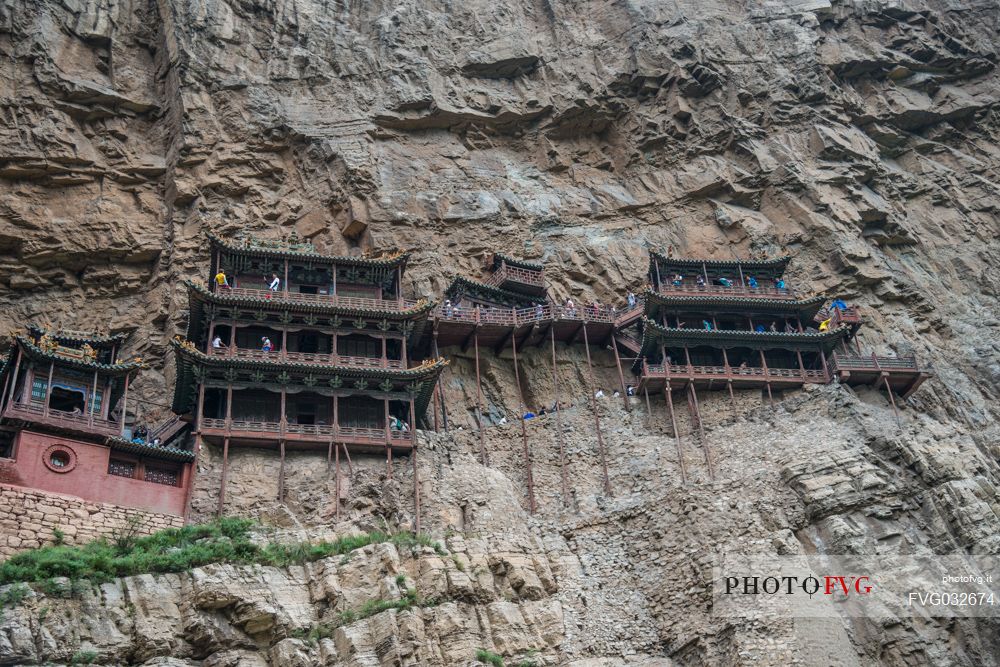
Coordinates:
[165,476]
[66,399]
[121,468]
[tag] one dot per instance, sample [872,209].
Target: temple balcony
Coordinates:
[318,358]
[518,279]
[36,413]
[333,300]
[509,317]
[693,289]
[305,433]
[903,374]
[658,376]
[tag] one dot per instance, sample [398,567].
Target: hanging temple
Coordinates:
[287,348]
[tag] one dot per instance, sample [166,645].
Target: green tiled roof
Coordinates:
[341,260]
[276,303]
[499,257]
[654,335]
[150,451]
[34,352]
[734,264]
[92,338]
[461,285]
[806,308]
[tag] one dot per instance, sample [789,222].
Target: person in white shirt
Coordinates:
[599,393]
[275,282]
[217,343]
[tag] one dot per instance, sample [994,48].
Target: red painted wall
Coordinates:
[88,478]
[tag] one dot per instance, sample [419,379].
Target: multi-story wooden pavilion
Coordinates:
[63,427]
[322,360]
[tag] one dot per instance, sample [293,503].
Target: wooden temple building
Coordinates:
[63,428]
[319,359]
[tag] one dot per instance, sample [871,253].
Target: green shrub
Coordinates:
[488,657]
[83,658]
[226,540]
[14,595]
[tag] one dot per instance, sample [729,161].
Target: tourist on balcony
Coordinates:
[824,325]
[751,282]
[542,412]
[678,280]
[706,325]
[725,282]
[599,393]
[539,311]
[699,280]
[217,343]
[529,415]
[221,280]
[630,299]
[266,345]
[275,282]
[629,390]
[779,283]
[140,434]
[743,367]
[570,308]
[789,328]
[759,328]
[773,327]
[838,304]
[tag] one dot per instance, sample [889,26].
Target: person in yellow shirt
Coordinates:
[825,324]
[220,279]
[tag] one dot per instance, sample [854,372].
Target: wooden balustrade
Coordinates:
[842,362]
[516,317]
[514,274]
[354,434]
[36,412]
[688,289]
[306,357]
[355,302]
[733,373]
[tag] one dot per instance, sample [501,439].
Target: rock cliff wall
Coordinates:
[860,137]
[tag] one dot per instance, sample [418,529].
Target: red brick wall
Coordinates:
[87,475]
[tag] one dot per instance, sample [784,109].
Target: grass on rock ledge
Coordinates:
[226,540]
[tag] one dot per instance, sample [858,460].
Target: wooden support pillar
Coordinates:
[669,397]
[48,388]
[826,370]
[192,471]
[739,267]
[560,436]
[597,418]
[416,475]
[229,406]
[285,283]
[701,431]
[232,339]
[284,343]
[649,408]
[659,281]
[388,440]
[281,472]
[199,408]
[434,406]
[283,419]
[524,429]
[440,388]
[767,381]
[347,455]
[483,457]
[802,365]
[121,417]
[621,376]
[93,399]
[336,472]
[385,356]
[225,476]
[892,400]
[211,337]
[10,386]
[729,378]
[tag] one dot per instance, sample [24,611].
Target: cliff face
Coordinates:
[859,137]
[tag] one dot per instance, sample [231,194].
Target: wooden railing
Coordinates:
[355,302]
[324,431]
[842,362]
[37,412]
[733,372]
[514,274]
[305,357]
[839,316]
[689,289]
[516,317]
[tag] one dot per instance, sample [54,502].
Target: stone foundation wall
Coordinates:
[29,518]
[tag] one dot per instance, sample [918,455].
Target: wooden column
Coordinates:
[232,338]
[229,406]
[729,377]
[479,405]
[225,474]
[669,397]
[11,382]
[767,380]
[337,479]
[284,343]
[404,357]
[191,471]
[802,366]
[560,436]
[701,431]
[440,389]
[597,418]
[524,429]
[621,376]
[285,283]
[384,352]
[198,409]
[826,370]
[649,408]
[281,472]
[416,474]
[211,337]
[656,266]
[93,399]
[388,443]
[121,418]
[48,388]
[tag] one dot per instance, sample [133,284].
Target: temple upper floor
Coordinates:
[752,278]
